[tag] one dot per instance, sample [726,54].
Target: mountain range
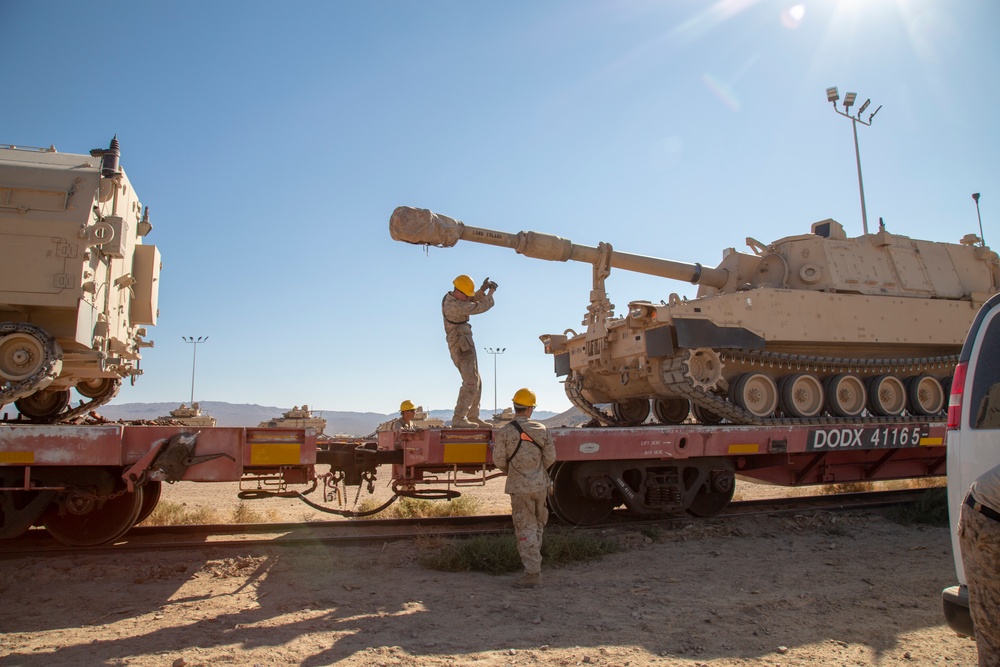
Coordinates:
[337,422]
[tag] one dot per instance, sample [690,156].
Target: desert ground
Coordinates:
[809,589]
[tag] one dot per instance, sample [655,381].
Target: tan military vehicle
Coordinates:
[189,416]
[297,418]
[77,285]
[806,329]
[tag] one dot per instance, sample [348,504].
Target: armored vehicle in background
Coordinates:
[297,418]
[189,416]
[77,285]
[807,329]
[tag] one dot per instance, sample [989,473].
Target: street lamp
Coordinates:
[982,241]
[194,357]
[832,96]
[495,351]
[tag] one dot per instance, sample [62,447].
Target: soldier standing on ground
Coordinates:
[979,535]
[523,449]
[457,307]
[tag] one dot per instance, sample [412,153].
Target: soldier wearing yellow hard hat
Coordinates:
[523,449]
[457,307]
[404,422]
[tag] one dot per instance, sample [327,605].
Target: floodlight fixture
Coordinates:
[194,357]
[832,96]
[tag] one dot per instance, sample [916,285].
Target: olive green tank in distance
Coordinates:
[78,286]
[807,329]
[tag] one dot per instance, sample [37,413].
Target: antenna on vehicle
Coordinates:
[982,241]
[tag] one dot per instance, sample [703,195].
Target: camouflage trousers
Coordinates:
[530,515]
[470,394]
[980,539]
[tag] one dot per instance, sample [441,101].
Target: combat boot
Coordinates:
[529,581]
[480,423]
[462,422]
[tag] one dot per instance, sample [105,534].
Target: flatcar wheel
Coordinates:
[43,405]
[802,395]
[886,395]
[705,415]
[713,497]
[926,395]
[150,497]
[96,523]
[671,410]
[756,393]
[845,395]
[570,505]
[632,411]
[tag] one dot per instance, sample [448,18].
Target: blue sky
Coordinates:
[271,142]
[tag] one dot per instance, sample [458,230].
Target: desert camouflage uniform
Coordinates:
[527,485]
[979,536]
[458,333]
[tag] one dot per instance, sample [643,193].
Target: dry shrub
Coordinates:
[412,508]
[167,513]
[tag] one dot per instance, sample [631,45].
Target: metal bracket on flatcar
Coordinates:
[170,460]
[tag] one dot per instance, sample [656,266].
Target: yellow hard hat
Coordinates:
[464,285]
[525,397]
[406,405]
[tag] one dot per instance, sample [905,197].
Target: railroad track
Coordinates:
[37,543]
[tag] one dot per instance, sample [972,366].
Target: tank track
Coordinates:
[11,391]
[677,379]
[86,407]
[49,370]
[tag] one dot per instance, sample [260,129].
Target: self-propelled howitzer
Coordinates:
[810,328]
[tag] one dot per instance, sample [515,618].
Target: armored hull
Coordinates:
[810,328]
[77,284]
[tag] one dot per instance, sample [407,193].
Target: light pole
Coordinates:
[832,96]
[495,351]
[982,241]
[194,357]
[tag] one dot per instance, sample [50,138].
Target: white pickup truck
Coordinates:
[973,438]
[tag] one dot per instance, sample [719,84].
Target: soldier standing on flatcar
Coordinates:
[979,535]
[404,422]
[523,449]
[457,307]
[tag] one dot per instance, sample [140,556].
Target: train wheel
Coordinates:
[802,395]
[845,395]
[756,393]
[886,395]
[43,405]
[150,497]
[632,411]
[926,395]
[714,496]
[671,410]
[705,415]
[83,522]
[570,505]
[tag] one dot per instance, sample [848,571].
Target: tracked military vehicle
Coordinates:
[78,286]
[812,328]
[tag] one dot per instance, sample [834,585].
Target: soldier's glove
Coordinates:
[488,284]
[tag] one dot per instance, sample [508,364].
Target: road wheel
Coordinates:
[886,395]
[756,393]
[802,395]
[671,410]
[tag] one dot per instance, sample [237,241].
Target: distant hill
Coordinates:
[337,422]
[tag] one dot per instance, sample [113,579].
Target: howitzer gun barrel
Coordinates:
[423,227]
